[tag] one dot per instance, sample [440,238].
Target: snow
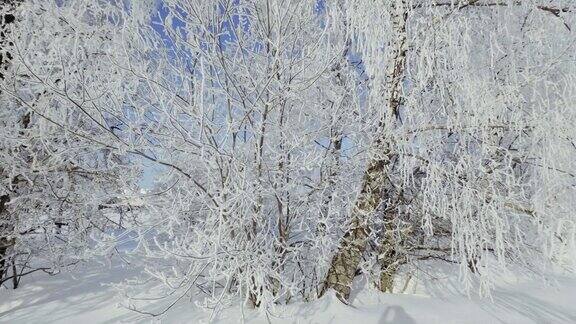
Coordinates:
[85,295]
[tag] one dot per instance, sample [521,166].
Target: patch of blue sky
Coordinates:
[234,22]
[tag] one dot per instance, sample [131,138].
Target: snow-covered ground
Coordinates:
[85,296]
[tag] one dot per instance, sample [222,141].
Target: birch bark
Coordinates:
[377,187]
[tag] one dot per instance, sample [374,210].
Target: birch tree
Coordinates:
[462,83]
[7,17]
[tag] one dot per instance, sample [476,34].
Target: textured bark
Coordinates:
[4,245]
[346,261]
[389,257]
[377,187]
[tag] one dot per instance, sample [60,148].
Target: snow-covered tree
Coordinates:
[474,99]
[255,108]
[58,166]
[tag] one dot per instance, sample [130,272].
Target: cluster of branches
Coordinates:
[293,145]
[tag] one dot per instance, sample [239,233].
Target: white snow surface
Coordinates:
[85,295]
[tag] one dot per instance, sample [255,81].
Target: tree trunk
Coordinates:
[345,262]
[4,243]
[15,279]
[388,256]
[2,259]
[377,186]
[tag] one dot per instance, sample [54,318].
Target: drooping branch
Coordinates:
[556,11]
